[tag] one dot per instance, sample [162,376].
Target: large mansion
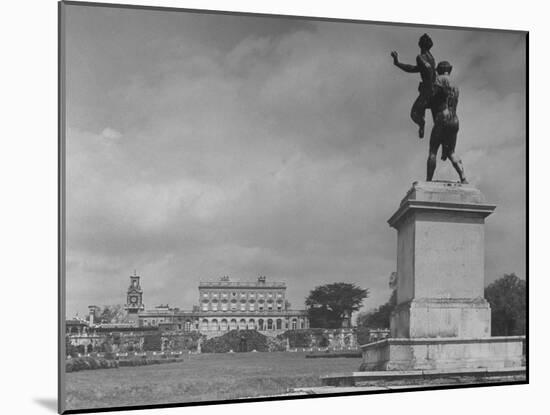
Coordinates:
[223,305]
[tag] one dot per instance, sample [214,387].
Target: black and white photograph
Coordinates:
[268,207]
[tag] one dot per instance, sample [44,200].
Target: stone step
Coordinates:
[388,377]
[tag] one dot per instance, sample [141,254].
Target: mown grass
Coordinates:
[205,377]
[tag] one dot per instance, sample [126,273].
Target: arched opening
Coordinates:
[294,324]
[270,324]
[251,324]
[279,324]
[242,324]
[223,325]
[204,325]
[233,324]
[187,326]
[214,325]
[261,324]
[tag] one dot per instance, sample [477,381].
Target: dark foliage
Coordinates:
[237,341]
[148,361]
[331,355]
[508,298]
[152,342]
[329,305]
[89,363]
[380,317]
[363,335]
[322,317]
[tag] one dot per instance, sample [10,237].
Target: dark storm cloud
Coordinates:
[201,146]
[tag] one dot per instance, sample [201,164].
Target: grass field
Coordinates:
[204,377]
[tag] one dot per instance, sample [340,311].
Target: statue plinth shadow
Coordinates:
[48,403]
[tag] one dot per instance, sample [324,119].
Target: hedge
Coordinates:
[89,363]
[152,342]
[242,341]
[147,361]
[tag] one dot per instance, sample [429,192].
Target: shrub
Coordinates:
[146,361]
[152,342]
[363,336]
[275,344]
[89,363]
[323,341]
[238,341]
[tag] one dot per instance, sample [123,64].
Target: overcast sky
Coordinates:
[207,145]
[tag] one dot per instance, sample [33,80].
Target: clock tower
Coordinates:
[134,299]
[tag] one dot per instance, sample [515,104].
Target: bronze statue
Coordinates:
[437,93]
[425,64]
[443,104]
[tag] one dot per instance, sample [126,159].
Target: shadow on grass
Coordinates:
[48,403]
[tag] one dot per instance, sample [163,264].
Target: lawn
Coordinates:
[204,377]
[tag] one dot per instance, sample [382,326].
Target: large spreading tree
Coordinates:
[508,298]
[330,305]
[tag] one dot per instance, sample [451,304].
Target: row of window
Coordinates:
[243,301]
[243,294]
[240,307]
[242,324]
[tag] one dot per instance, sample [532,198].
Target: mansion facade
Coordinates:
[223,305]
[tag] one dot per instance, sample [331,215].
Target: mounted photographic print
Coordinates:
[260,207]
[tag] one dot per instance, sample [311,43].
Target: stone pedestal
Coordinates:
[441,319]
[443,353]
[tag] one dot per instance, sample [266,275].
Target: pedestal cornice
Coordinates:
[442,197]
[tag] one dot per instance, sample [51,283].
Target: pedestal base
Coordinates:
[443,353]
[442,317]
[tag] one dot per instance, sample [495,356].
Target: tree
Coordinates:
[378,318]
[329,305]
[111,314]
[508,298]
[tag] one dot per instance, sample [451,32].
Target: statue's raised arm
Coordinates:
[425,65]
[403,66]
